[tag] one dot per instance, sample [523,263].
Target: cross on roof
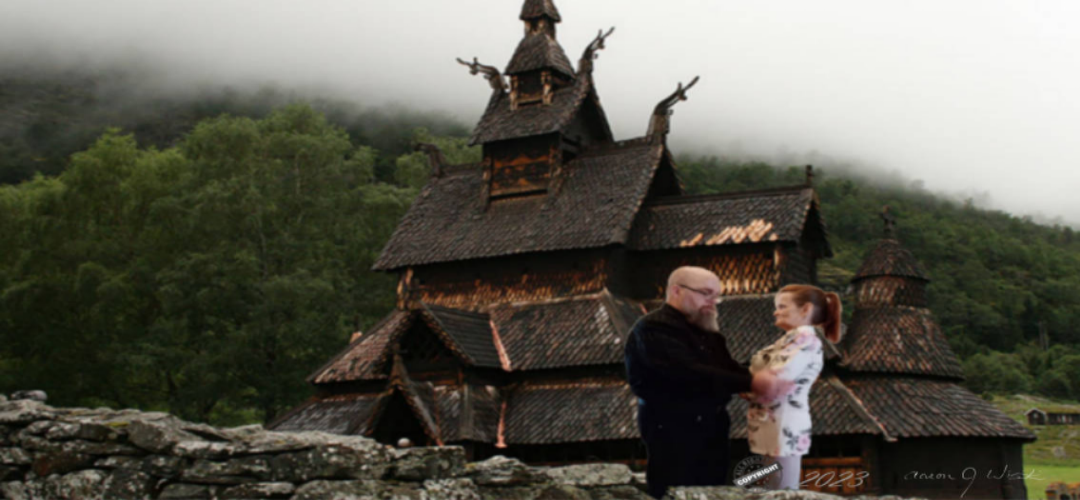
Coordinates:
[890,222]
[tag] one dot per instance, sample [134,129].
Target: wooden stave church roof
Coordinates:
[539,51]
[501,121]
[890,258]
[900,340]
[580,331]
[894,338]
[532,402]
[594,207]
[601,201]
[775,215]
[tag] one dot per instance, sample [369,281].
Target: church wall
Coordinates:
[473,285]
[798,265]
[521,166]
[620,278]
[945,467]
[743,269]
[529,85]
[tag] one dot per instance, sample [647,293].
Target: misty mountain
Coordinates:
[48,114]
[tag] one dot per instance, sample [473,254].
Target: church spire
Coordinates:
[890,223]
[889,258]
[539,65]
[540,16]
[892,329]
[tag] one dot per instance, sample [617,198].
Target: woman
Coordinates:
[780,428]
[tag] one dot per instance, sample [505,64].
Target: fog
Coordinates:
[975,98]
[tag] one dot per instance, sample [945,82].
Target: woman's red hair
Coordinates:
[827,307]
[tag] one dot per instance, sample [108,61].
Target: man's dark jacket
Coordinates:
[672,362]
[684,377]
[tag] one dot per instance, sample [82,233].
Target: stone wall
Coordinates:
[78,453]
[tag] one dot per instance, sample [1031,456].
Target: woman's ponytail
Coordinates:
[833,311]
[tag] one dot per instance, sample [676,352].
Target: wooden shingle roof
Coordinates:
[725,219]
[342,414]
[365,358]
[500,122]
[576,332]
[468,333]
[912,407]
[594,207]
[898,339]
[889,258]
[567,412]
[580,331]
[894,408]
[538,51]
[595,409]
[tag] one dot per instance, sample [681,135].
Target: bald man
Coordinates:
[679,366]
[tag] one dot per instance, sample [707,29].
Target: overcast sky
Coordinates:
[968,96]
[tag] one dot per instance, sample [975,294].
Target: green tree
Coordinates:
[996,373]
[207,279]
[1056,384]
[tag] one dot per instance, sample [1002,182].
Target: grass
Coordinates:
[1055,456]
[1046,474]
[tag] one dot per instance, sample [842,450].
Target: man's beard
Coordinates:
[707,321]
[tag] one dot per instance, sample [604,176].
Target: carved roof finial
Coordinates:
[809,175]
[660,124]
[491,73]
[585,65]
[435,157]
[890,222]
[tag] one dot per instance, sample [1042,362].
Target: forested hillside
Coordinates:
[204,264]
[208,279]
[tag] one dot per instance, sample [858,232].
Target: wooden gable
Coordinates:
[522,166]
[424,353]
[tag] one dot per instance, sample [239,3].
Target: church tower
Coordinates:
[892,329]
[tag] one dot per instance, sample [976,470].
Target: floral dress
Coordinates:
[781,427]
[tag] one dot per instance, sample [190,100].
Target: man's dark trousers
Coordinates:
[687,445]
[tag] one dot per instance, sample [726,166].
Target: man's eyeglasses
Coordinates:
[713,297]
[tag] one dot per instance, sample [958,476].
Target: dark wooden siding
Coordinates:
[798,265]
[477,284]
[747,269]
[529,87]
[911,468]
[521,167]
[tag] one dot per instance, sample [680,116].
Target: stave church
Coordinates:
[521,275]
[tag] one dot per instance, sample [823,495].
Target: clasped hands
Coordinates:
[767,387]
